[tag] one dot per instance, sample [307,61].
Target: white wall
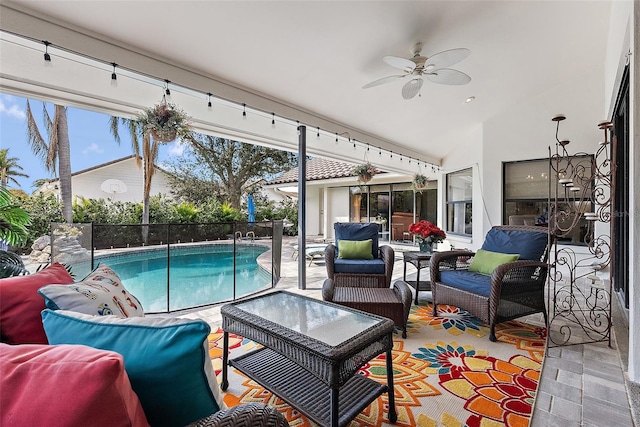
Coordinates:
[313,210]
[87,184]
[337,208]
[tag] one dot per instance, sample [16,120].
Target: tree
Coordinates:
[9,168]
[146,150]
[58,149]
[228,169]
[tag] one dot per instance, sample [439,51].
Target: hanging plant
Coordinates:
[364,172]
[419,182]
[165,122]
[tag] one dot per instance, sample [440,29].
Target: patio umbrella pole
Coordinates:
[302,211]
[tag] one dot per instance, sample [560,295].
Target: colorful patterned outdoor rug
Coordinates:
[447,373]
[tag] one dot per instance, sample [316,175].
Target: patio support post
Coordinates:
[302,211]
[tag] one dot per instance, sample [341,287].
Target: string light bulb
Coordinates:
[336,137]
[114,76]
[273,120]
[318,134]
[47,57]
[244,111]
[209,99]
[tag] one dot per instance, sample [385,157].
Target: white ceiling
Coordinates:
[318,55]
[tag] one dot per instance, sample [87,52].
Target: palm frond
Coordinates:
[11,265]
[38,144]
[113,127]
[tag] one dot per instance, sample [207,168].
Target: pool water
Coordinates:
[196,276]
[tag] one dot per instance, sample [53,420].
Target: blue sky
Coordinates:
[90,138]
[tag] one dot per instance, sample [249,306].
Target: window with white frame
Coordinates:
[459,202]
[526,195]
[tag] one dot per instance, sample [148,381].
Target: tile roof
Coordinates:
[317,169]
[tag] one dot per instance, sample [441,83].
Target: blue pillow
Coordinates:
[529,245]
[357,231]
[166,359]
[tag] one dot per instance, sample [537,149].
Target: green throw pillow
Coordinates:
[486,261]
[355,249]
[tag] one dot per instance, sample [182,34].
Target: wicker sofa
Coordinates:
[82,385]
[512,290]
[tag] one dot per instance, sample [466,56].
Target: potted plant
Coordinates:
[165,122]
[364,172]
[427,234]
[419,182]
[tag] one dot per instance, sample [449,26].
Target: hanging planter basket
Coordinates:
[419,182]
[364,172]
[165,122]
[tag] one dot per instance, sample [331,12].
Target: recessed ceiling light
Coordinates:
[469,99]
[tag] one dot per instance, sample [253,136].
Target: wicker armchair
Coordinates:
[513,290]
[375,273]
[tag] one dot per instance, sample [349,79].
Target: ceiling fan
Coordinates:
[433,68]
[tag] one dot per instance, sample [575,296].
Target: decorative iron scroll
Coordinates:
[580,210]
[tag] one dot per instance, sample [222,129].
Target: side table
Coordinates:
[419,260]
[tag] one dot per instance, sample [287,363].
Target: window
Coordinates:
[459,202]
[526,195]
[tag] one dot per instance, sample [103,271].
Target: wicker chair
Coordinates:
[513,290]
[375,273]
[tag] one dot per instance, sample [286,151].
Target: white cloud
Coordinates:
[10,108]
[93,148]
[177,148]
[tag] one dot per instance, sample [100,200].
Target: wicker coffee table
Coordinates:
[312,351]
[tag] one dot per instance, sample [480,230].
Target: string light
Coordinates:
[114,78]
[47,57]
[273,120]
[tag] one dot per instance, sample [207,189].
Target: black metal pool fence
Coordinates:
[82,245]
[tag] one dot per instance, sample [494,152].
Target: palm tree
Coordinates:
[146,155]
[153,125]
[58,149]
[9,169]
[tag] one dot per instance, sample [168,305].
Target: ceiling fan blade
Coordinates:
[402,63]
[448,76]
[383,81]
[412,87]
[446,58]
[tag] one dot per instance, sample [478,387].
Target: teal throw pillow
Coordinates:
[355,249]
[167,360]
[486,261]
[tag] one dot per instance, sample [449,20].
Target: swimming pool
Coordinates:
[197,275]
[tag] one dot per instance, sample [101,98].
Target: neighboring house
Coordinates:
[334,194]
[120,180]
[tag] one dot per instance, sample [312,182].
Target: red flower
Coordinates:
[427,232]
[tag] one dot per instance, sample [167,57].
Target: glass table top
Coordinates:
[330,324]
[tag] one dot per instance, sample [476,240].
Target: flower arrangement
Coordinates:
[364,172]
[427,232]
[165,122]
[419,182]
